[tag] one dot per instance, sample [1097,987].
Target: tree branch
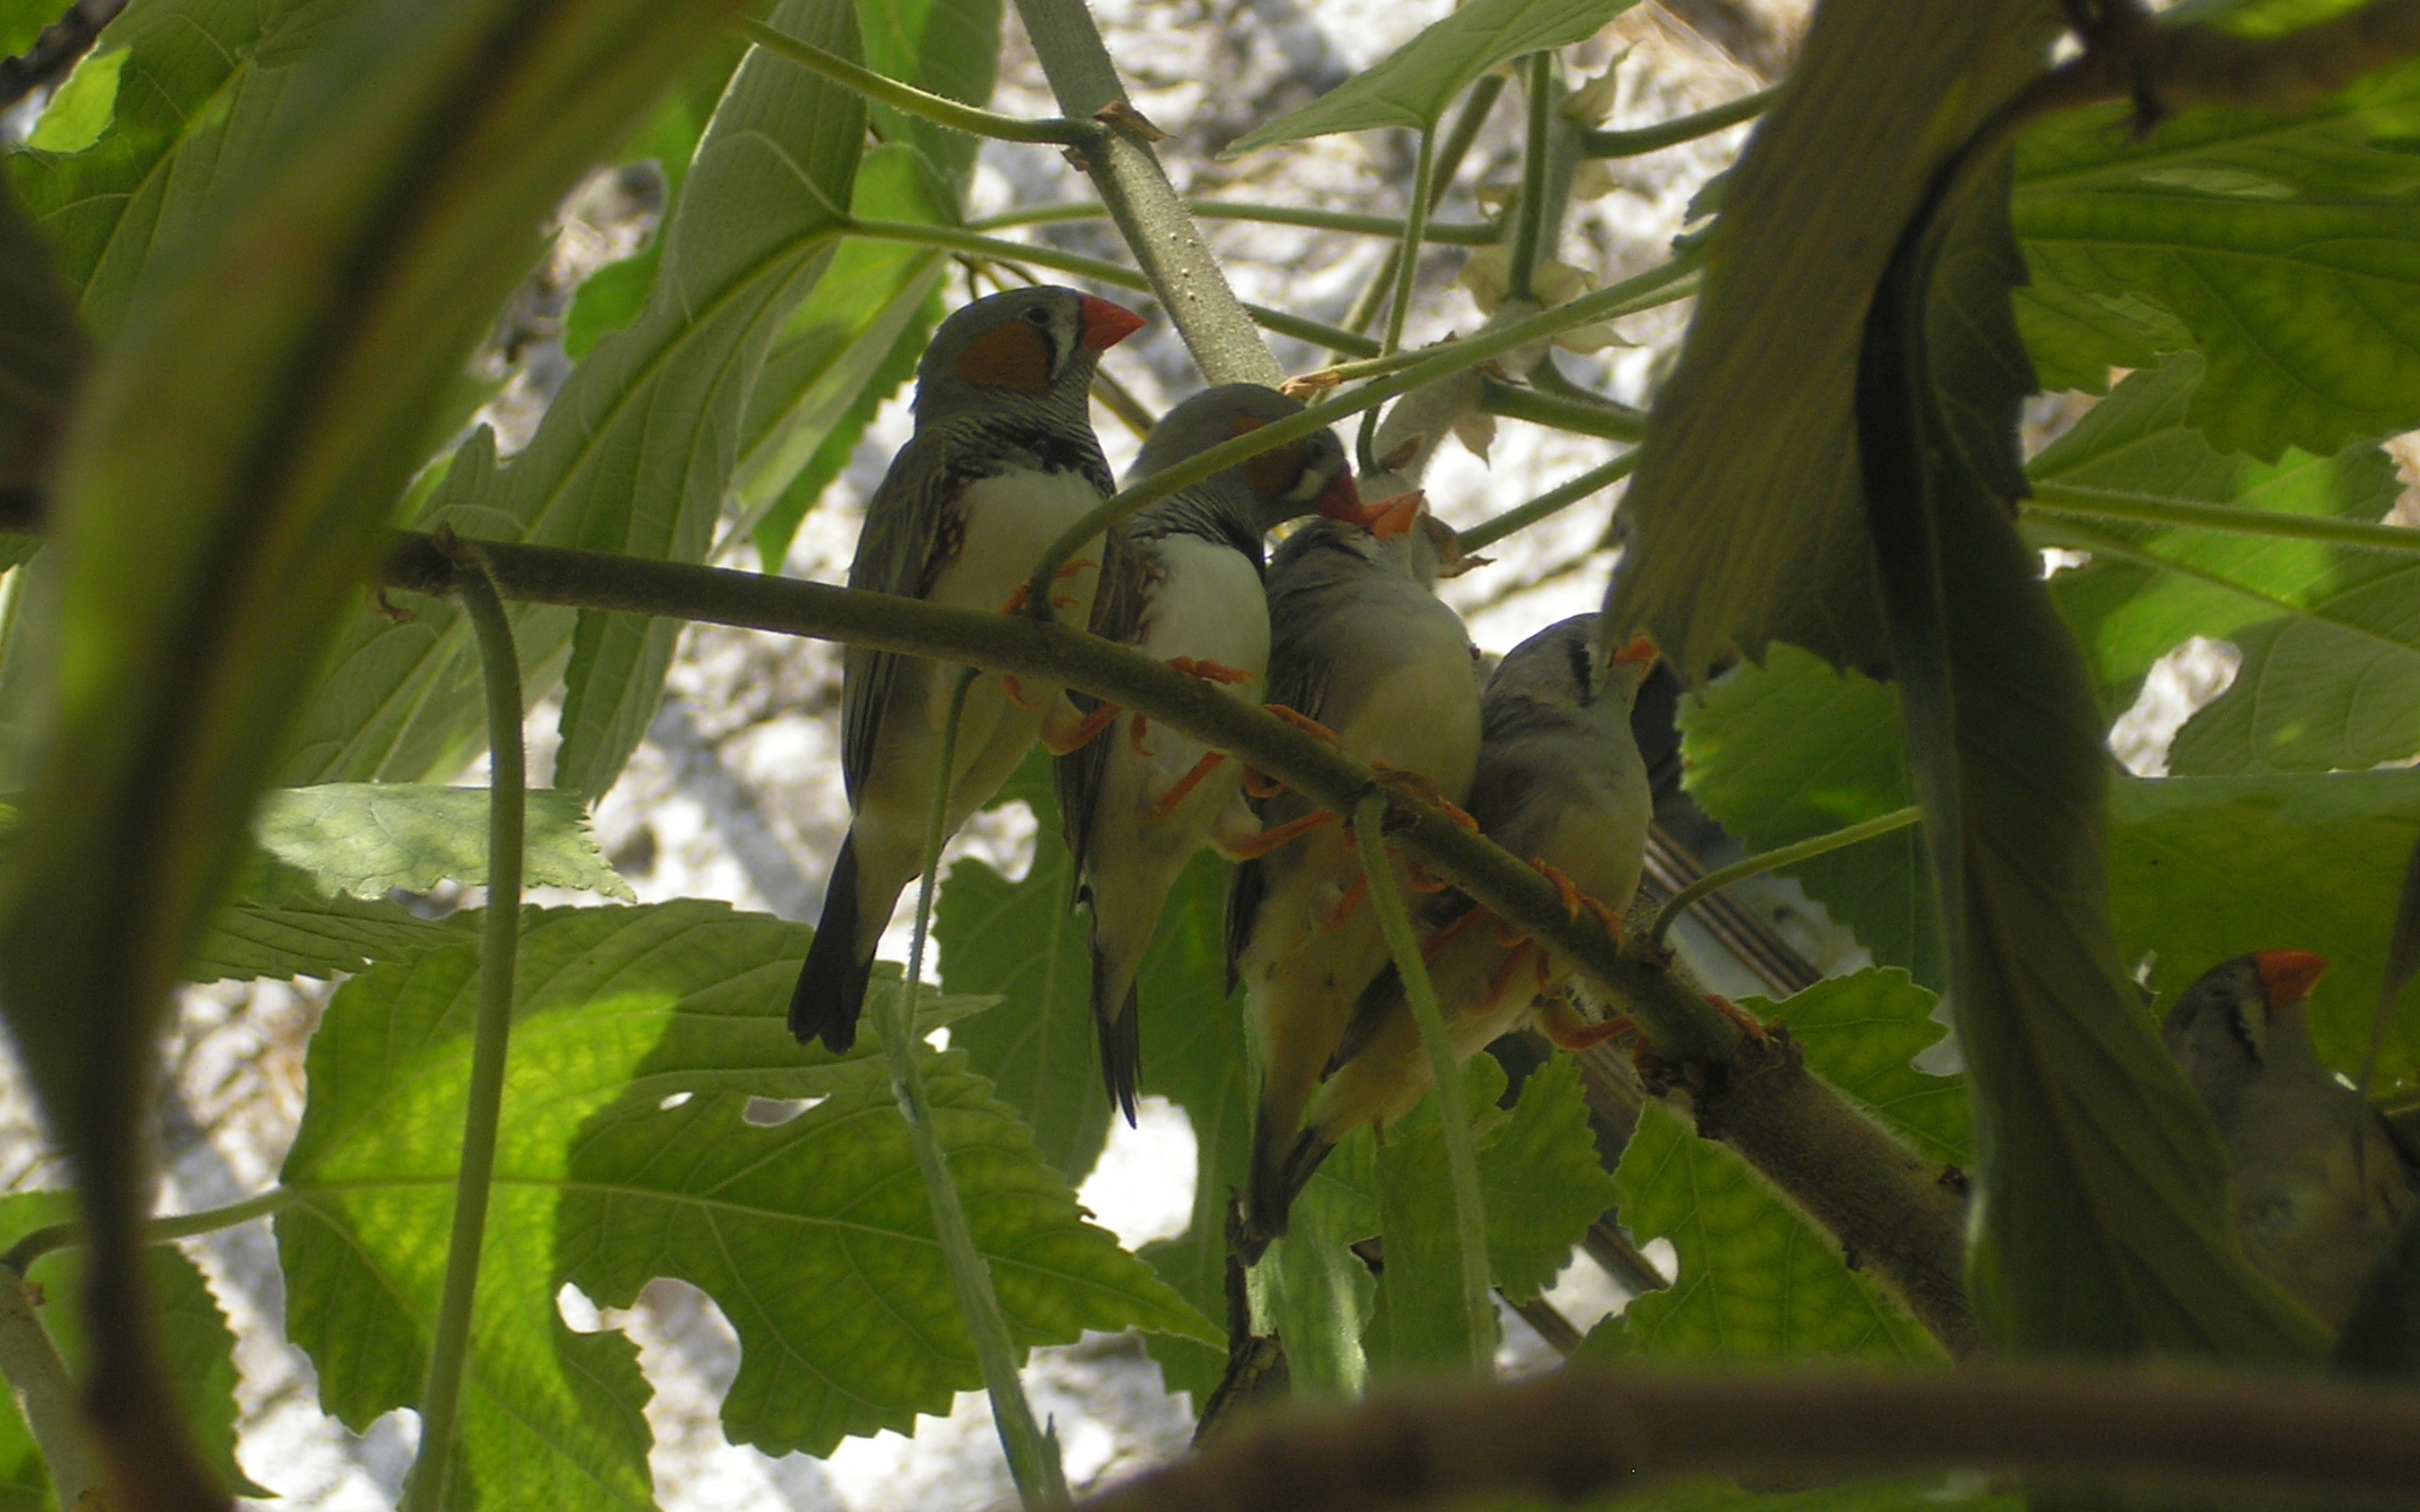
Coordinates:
[1580,1433]
[1167,245]
[1895,1212]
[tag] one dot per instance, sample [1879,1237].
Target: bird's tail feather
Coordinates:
[1121,1036]
[831,991]
[1278,1156]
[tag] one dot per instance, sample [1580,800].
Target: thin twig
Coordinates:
[45,1394]
[938,109]
[2102,504]
[1034,1456]
[1788,855]
[1453,233]
[449,1358]
[1445,1074]
[1487,532]
[1640,141]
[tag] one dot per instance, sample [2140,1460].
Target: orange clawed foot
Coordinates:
[1302,722]
[1412,785]
[1184,788]
[1261,787]
[1268,840]
[1570,1031]
[1209,671]
[1342,914]
[1469,920]
[1749,1023]
[1074,737]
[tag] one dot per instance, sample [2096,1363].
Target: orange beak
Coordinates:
[1343,500]
[1640,650]
[1107,324]
[2288,976]
[1389,518]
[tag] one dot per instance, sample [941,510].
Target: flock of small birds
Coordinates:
[1343,633]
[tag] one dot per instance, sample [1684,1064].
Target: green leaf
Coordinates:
[756,224]
[82,109]
[945,47]
[2281,244]
[1025,941]
[42,354]
[631,1151]
[1794,750]
[2149,587]
[204,85]
[2103,1209]
[1419,1327]
[610,300]
[196,1347]
[1757,1280]
[1862,1033]
[1744,522]
[1854,1495]
[2203,869]
[1415,84]
[225,490]
[846,348]
[1312,1286]
[362,839]
[22,21]
[278,924]
[1542,1180]
[609,468]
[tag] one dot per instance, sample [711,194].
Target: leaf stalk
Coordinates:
[1788,855]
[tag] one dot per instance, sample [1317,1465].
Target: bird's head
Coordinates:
[1023,345]
[1562,666]
[2231,1023]
[1306,475]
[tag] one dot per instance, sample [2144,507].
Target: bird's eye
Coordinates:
[1039,314]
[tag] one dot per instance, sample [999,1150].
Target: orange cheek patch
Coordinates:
[1271,472]
[1012,356]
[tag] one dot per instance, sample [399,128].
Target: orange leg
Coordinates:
[1588,1037]
[1209,671]
[1259,786]
[1015,690]
[1564,887]
[1302,722]
[1268,840]
[1412,785]
[1502,981]
[1135,730]
[1421,880]
[1352,899]
[1435,944]
[1185,786]
[1749,1023]
[1084,732]
[1510,938]
[1605,916]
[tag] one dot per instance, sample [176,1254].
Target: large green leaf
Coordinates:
[197,1347]
[1794,750]
[2104,1223]
[1543,1181]
[1024,941]
[1415,84]
[1311,1285]
[2148,588]
[199,83]
[363,839]
[23,21]
[280,923]
[634,453]
[41,354]
[1862,1033]
[1743,521]
[1757,1280]
[2283,246]
[221,498]
[631,1151]
[1419,1327]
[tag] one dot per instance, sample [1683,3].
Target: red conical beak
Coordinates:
[1107,324]
[1393,517]
[1343,500]
[2288,976]
[1640,650]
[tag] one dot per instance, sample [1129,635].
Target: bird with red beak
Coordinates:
[2319,1181]
[1003,461]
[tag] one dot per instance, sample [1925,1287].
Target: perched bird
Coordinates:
[1136,809]
[1361,645]
[1003,460]
[2319,1182]
[1561,783]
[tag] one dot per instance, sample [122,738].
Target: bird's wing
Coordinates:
[1117,617]
[905,542]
